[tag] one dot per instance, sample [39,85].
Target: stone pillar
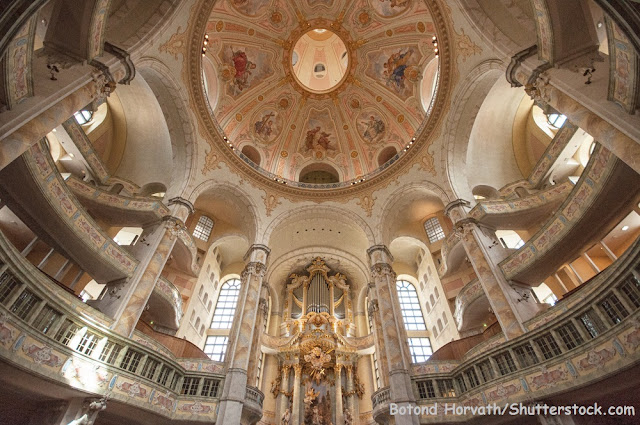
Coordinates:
[558,89]
[393,332]
[297,394]
[339,407]
[243,336]
[495,285]
[261,319]
[126,301]
[378,337]
[20,140]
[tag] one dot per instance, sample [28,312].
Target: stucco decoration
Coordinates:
[253,45]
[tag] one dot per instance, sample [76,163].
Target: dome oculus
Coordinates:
[319,60]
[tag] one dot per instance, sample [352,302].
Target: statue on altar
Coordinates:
[286,417]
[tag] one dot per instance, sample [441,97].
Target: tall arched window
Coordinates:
[203,228]
[410,306]
[226,305]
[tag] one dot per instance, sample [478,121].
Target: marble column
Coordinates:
[378,337]
[244,337]
[20,140]
[338,402]
[476,245]
[393,332]
[260,321]
[351,398]
[297,394]
[283,397]
[129,302]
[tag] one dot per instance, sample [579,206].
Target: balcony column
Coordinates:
[593,265]
[394,334]
[126,300]
[244,338]
[481,250]
[297,394]
[558,89]
[610,254]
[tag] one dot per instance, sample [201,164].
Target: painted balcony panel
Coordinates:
[45,204]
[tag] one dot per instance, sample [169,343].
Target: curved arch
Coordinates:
[217,189]
[505,41]
[135,24]
[471,93]
[174,104]
[324,211]
[401,195]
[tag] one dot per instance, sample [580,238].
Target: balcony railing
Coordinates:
[568,346]
[53,334]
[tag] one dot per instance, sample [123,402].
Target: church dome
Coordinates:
[342,87]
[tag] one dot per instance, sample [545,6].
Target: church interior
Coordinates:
[319,212]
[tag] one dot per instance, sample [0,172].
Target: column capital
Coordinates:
[254,268]
[455,210]
[257,253]
[379,254]
[297,367]
[174,225]
[383,270]
[181,203]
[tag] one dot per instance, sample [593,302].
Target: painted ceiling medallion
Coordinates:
[337,84]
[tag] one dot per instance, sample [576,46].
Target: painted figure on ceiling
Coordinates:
[264,127]
[373,127]
[395,67]
[243,67]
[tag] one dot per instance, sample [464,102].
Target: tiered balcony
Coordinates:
[49,333]
[590,335]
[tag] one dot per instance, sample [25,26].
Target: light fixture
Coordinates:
[205,43]
[625,228]
[434,41]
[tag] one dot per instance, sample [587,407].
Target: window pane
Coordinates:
[433,229]
[420,349]
[216,347]
[410,306]
[226,305]
[203,228]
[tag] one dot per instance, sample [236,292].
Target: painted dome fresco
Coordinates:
[320,91]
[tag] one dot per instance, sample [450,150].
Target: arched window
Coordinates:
[410,306]
[432,299]
[428,307]
[197,323]
[444,318]
[209,306]
[193,315]
[434,229]
[226,305]
[200,291]
[203,228]
[204,300]
[440,326]
[435,291]
[434,331]
[201,329]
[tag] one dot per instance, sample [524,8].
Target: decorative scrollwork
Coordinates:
[381,270]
